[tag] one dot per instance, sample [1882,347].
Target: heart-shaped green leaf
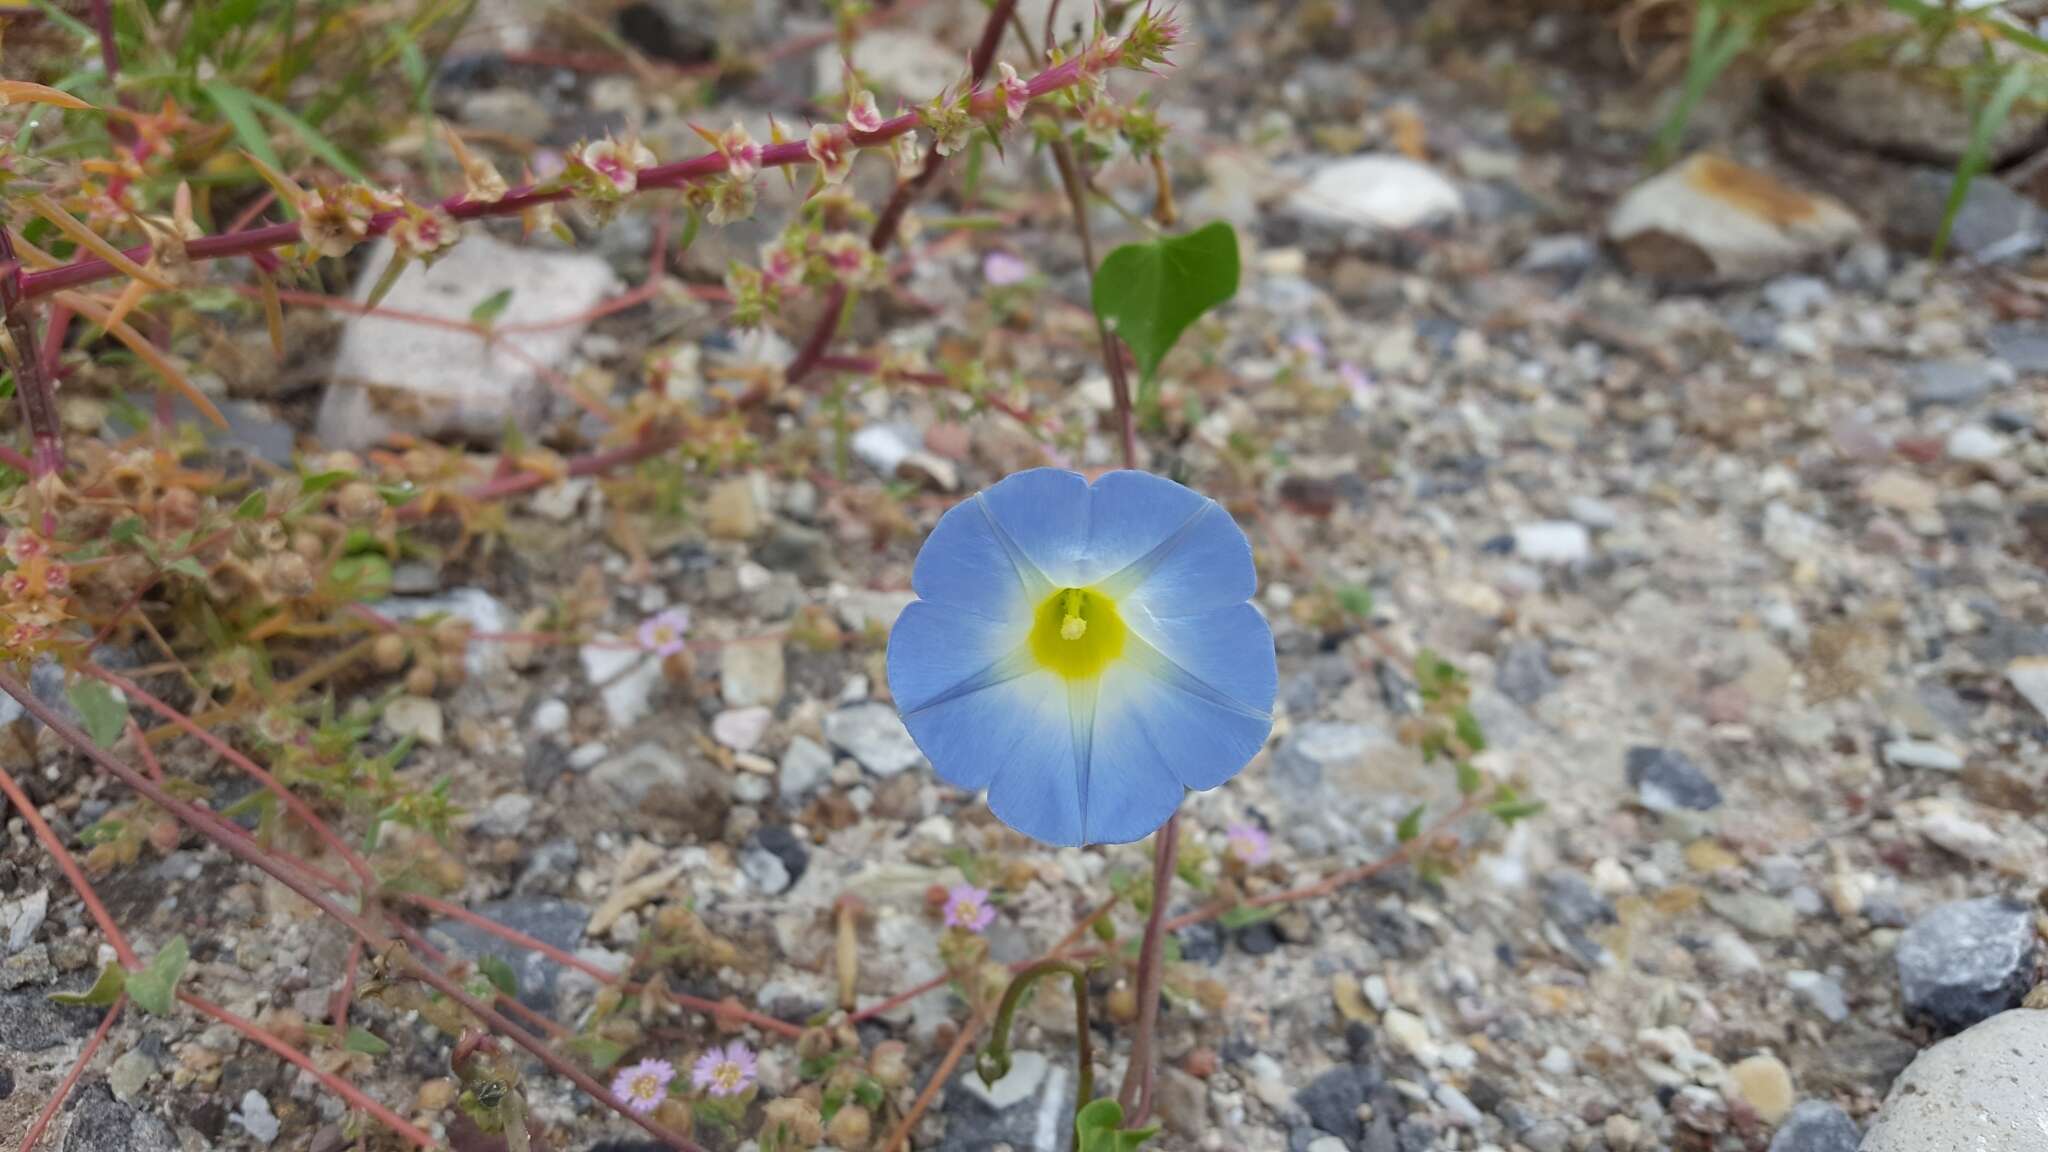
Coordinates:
[1149,293]
[104,713]
[104,990]
[155,987]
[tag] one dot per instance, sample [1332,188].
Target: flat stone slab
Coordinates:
[400,376]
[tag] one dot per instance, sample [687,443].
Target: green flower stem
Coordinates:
[994,1062]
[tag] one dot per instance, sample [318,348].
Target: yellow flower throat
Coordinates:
[1076,633]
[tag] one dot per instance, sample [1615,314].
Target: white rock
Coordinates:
[898,60]
[1376,193]
[1560,542]
[550,718]
[625,679]
[473,606]
[806,765]
[751,673]
[1975,444]
[883,447]
[256,1118]
[1923,754]
[505,815]
[1027,1072]
[863,609]
[1710,219]
[2029,677]
[1984,1090]
[1410,1034]
[392,376]
[741,729]
[417,717]
[20,918]
[874,735]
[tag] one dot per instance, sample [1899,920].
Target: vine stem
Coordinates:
[225,835]
[118,940]
[676,174]
[1136,1093]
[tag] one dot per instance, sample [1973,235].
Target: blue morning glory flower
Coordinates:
[1086,653]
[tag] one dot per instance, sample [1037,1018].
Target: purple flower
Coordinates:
[662,633]
[968,907]
[1305,341]
[1002,269]
[644,1085]
[1249,843]
[726,1071]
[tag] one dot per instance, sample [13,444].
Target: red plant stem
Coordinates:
[514,936]
[69,867]
[63,1092]
[333,1083]
[291,800]
[31,384]
[793,153]
[940,1075]
[891,217]
[225,834]
[110,52]
[1136,1093]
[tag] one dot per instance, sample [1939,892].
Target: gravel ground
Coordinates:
[1739,539]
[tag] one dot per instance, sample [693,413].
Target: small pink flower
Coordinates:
[781,265]
[1305,341]
[1016,93]
[644,1085]
[24,545]
[832,151]
[726,1071]
[968,907]
[1248,843]
[616,163]
[1002,269]
[861,113]
[742,154]
[57,577]
[662,633]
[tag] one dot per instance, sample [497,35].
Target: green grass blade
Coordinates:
[2012,84]
[239,108]
[310,136]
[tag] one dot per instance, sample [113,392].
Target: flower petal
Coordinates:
[1229,650]
[1155,543]
[1133,785]
[938,651]
[1158,728]
[1044,513]
[1016,740]
[970,562]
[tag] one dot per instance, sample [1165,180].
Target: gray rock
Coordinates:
[2023,347]
[634,776]
[1667,780]
[1925,755]
[1574,911]
[1524,675]
[505,815]
[1966,961]
[1707,219]
[765,870]
[391,376]
[1985,1090]
[1816,1126]
[31,1022]
[99,1123]
[255,1117]
[1955,383]
[1795,297]
[1822,991]
[556,922]
[1994,221]
[874,735]
[1028,1110]
[806,765]
[1332,1099]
